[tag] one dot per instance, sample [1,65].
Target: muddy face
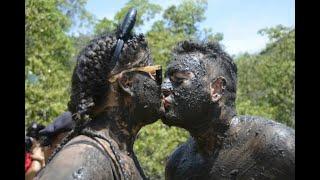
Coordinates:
[186,97]
[146,98]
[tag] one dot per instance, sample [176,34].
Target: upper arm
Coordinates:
[284,142]
[279,151]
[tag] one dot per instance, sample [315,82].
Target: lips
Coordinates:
[167,101]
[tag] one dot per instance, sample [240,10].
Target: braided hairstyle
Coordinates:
[89,84]
[89,79]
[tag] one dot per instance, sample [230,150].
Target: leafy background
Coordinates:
[266,80]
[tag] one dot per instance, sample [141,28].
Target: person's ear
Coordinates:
[125,83]
[217,87]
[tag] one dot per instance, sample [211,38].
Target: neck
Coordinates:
[115,120]
[210,135]
[117,124]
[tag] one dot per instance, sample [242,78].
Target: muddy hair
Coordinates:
[89,80]
[217,63]
[89,83]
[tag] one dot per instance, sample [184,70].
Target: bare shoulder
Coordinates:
[81,158]
[264,143]
[267,131]
[270,143]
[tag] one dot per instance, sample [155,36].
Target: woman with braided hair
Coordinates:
[115,92]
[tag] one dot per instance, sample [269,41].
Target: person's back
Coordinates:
[85,158]
[254,148]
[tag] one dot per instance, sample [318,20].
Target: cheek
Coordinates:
[191,96]
[148,92]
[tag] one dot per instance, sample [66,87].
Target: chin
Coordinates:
[168,123]
[170,120]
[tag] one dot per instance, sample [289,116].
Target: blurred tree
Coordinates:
[206,35]
[154,144]
[79,42]
[179,23]
[145,12]
[161,41]
[104,26]
[48,56]
[266,80]
[184,18]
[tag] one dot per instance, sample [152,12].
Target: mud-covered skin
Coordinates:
[199,93]
[81,158]
[253,148]
[120,109]
[186,92]
[89,79]
[190,95]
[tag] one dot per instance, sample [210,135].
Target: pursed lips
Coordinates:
[167,101]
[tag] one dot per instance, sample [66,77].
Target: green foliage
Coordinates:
[79,42]
[49,53]
[266,81]
[209,36]
[145,11]
[184,18]
[275,33]
[105,26]
[161,41]
[178,23]
[154,144]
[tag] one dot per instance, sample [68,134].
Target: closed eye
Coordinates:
[177,79]
[180,77]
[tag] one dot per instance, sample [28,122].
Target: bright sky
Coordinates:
[238,20]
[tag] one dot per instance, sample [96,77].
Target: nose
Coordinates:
[166,87]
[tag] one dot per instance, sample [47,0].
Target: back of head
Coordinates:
[90,77]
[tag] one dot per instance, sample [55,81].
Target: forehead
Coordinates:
[187,62]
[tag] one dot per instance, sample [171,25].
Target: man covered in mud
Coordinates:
[199,95]
[115,92]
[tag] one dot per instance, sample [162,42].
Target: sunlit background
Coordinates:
[260,36]
[238,20]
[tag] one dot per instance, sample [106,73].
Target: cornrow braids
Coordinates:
[103,57]
[89,79]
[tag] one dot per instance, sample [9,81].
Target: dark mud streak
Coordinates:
[91,163]
[222,145]
[91,95]
[243,155]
